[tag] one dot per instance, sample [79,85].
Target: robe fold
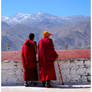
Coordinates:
[29,60]
[46,58]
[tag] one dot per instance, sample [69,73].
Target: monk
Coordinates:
[28,53]
[46,58]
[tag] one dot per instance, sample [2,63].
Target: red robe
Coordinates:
[46,58]
[29,60]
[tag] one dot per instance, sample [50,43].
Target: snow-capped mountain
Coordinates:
[69,31]
[41,17]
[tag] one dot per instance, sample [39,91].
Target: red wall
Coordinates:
[63,54]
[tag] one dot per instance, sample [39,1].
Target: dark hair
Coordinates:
[31,36]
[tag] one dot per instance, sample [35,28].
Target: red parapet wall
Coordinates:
[62,54]
[74,54]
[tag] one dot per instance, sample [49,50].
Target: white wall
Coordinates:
[75,71]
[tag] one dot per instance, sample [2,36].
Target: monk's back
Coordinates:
[46,44]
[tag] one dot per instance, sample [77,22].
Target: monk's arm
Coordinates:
[23,58]
[35,46]
[52,46]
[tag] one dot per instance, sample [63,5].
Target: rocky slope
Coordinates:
[71,32]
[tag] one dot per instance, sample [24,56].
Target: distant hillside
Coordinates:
[75,36]
[69,32]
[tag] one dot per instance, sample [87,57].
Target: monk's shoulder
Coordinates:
[40,40]
[50,40]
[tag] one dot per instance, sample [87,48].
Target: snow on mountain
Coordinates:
[69,31]
[4,18]
[41,17]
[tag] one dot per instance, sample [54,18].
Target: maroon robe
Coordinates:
[46,58]
[29,60]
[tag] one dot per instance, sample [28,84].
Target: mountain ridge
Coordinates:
[21,18]
[69,32]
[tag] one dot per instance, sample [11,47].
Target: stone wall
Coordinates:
[74,72]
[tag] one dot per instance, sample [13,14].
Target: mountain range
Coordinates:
[69,32]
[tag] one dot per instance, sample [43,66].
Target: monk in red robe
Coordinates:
[46,58]
[29,60]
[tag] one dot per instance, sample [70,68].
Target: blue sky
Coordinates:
[55,7]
